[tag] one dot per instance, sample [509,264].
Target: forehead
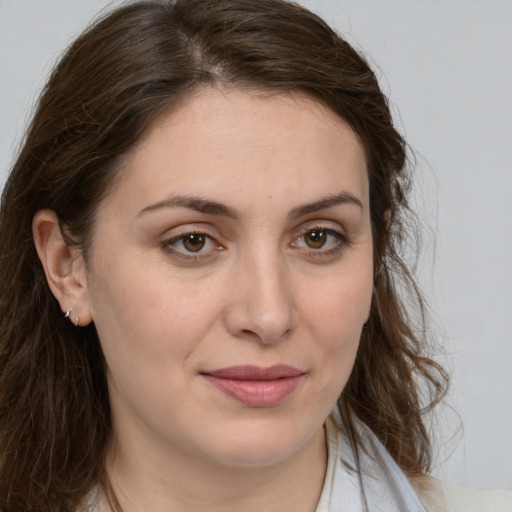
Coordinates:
[231,143]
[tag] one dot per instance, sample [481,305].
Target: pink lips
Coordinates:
[256,386]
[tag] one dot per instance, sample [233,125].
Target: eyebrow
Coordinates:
[194,203]
[209,207]
[324,203]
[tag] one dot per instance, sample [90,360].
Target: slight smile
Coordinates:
[256,386]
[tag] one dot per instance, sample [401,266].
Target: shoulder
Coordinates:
[438,496]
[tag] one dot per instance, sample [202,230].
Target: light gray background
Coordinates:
[447,67]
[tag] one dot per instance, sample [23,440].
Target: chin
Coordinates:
[258,455]
[258,447]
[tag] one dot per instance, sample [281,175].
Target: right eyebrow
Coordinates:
[198,204]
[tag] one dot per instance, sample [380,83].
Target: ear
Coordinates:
[64,267]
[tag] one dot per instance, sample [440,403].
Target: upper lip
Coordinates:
[251,372]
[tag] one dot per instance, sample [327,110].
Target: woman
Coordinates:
[203,233]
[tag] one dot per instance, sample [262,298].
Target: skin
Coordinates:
[261,290]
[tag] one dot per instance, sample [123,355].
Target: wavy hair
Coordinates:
[116,78]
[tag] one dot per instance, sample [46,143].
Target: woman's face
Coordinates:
[230,276]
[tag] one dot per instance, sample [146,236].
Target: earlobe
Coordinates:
[63,266]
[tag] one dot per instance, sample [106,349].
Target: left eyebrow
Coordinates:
[324,203]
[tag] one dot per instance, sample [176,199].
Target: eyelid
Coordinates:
[192,228]
[324,225]
[336,233]
[343,241]
[167,244]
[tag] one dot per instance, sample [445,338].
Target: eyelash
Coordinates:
[168,246]
[341,242]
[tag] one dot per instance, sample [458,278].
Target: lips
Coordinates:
[256,386]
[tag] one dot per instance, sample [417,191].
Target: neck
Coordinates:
[154,480]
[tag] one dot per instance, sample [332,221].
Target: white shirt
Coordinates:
[386,487]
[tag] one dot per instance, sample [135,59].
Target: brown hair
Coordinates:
[111,83]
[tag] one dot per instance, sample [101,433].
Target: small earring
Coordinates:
[67,315]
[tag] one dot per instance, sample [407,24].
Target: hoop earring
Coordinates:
[67,315]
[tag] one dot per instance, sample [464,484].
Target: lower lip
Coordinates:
[256,393]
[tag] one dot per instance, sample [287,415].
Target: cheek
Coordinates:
[341,303]
[335,314]
[150,314]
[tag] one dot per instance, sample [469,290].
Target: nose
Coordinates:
[261,304]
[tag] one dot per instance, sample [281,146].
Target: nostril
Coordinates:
[248,333]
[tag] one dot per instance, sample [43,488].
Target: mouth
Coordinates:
[256,386]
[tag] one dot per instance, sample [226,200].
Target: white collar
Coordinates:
[386,488]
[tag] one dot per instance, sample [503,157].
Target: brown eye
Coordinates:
[316,238]
[321,242]
[193,245]
[194,242]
